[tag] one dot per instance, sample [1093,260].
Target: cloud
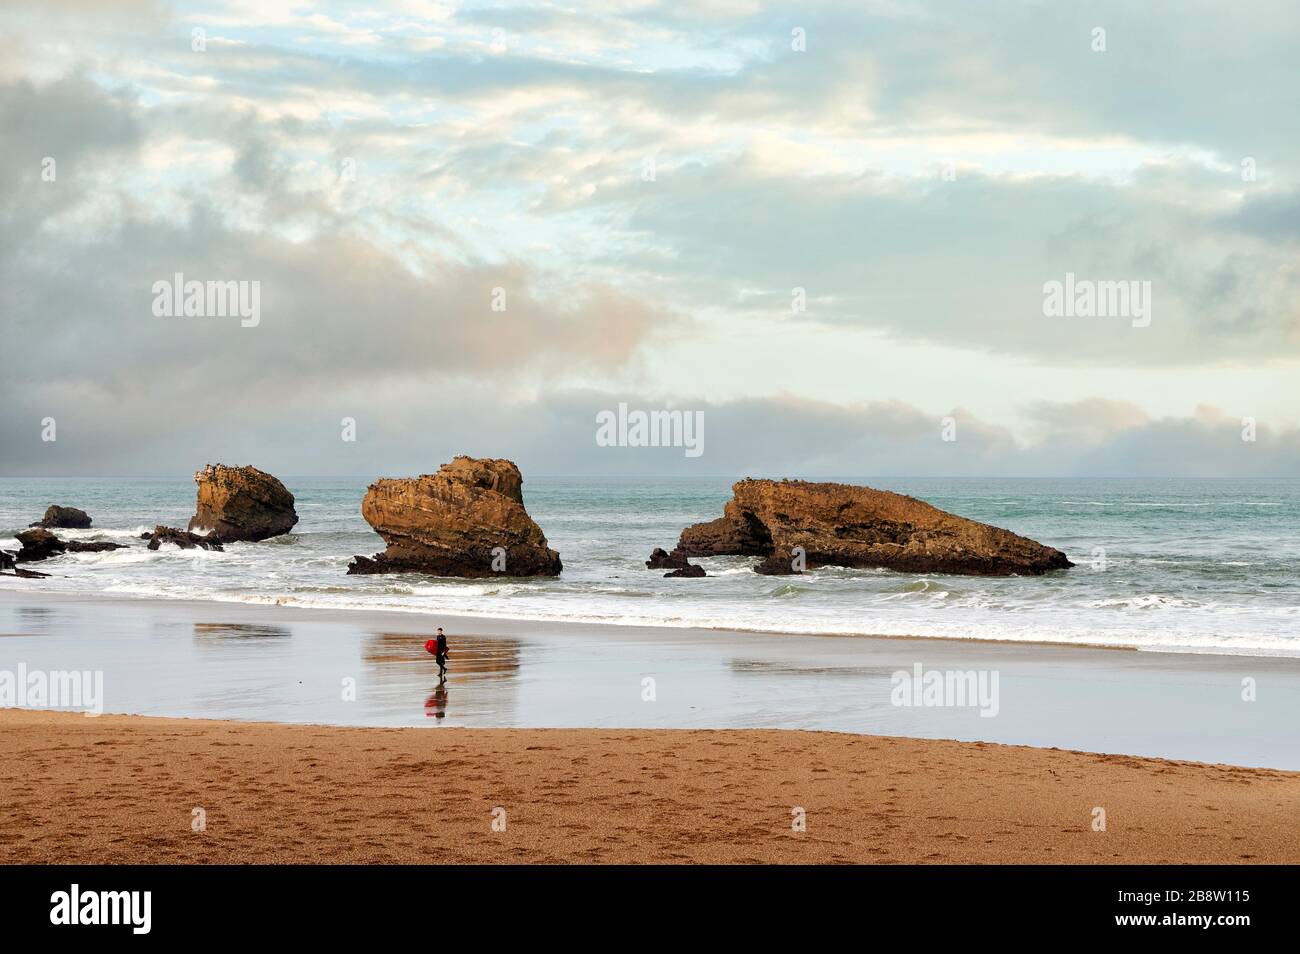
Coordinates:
[524,168]
[407,426]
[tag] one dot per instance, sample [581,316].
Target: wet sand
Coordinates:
[124,789]
[291,664]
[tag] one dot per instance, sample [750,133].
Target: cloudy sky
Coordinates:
[654,188]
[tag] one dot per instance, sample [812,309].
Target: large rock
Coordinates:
[450,523]
[63,518]
[241,503]
[845,525]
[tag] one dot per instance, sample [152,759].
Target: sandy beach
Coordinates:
[125,789]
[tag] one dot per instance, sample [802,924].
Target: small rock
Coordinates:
[780,563]
[690,570]
[660,559]
[361,565]
[29,574]
[181,538]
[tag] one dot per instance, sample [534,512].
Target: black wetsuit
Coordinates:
[441,656]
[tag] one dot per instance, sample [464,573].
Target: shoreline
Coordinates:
[128,790]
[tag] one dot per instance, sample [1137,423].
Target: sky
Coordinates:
[826,229]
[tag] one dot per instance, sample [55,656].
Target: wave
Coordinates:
[1145,640]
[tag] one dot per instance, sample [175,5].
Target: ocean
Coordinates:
[1173,565]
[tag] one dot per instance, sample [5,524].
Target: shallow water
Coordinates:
[229,661]
[1193,565]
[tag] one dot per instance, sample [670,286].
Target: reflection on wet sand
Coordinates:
[38,619]
[436,704]
[482,673]
[240,631]
[491,656]
[768,666]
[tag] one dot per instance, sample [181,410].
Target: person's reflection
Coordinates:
[436,704]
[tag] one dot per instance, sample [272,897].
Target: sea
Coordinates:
[1178,565]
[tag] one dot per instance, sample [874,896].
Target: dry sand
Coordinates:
[124,789]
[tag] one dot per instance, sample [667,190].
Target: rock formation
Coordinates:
[8,567]
[676,561]
[467,520]
[241,503]
[91,546]
[845,525]
[181,538]
[40,544]
[63,518]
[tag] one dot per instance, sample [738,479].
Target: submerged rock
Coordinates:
[778,563]
[24,574]
[241,503]
[467,520]
[41,544]
[660,559]
[91,546]
[181,538]
[845,525]
[6,560]
[63,518]
[689,570]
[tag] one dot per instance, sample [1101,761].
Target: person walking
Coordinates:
[438,647]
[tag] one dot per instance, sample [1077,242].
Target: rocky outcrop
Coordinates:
[181,538]
[660,559]
[9,568]
[241,503]
[63,518]
[846,525]
[735,532]
[467,520]
[91,546]
[40,544]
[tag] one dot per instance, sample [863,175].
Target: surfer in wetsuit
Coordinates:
[440,654]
